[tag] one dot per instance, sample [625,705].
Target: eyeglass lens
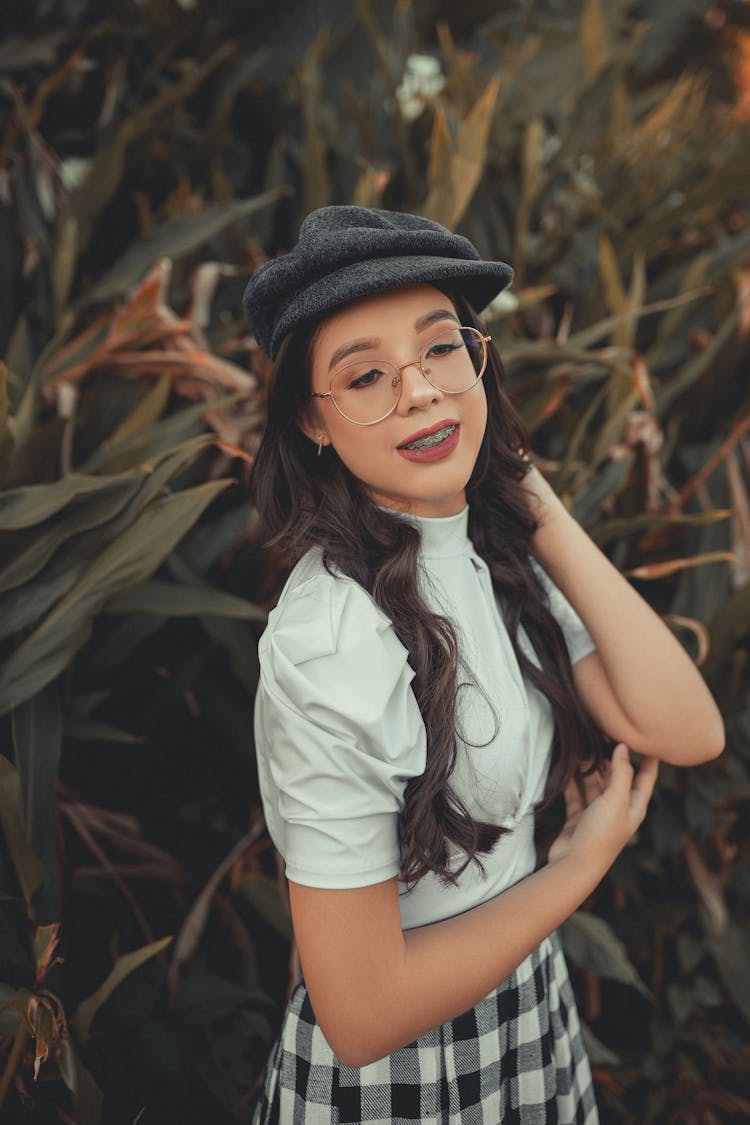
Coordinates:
[367,390]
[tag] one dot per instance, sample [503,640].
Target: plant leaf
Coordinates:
[173,239]
[593,944]
[123,966]
[28,867]
[36,726]
[6,438]
[130,559]
[671,566]
[170,599]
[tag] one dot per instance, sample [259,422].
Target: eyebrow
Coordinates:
[364,345]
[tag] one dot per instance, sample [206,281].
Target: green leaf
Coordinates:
[122,968]
[87,1097]
[9,1017]
[85,728]
[146,412]
[29,505]
[263,895]
[599,1053]
[28,867]
[93,508]
[36,726]
[608,481]
[204,998]
[131,558]
[122,640]
[69,563]
[731,953]
[591,943]
[155,440]
[174,239]
[6,437]
[170,599]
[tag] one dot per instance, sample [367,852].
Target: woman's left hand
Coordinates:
[579,794]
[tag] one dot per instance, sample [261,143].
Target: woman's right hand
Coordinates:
[600,821]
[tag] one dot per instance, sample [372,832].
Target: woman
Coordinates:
[450,653]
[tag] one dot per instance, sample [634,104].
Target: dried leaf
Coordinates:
[614,290]
[195,921]
[471,150]
[594,37]
[671,566]
[440,171]
[698,481]
[454,171]
[698,629]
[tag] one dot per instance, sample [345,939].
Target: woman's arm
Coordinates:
[640,685]
[375,988]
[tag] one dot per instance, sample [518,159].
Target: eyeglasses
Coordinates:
[368,390]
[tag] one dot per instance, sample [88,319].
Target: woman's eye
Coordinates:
[366,379]
[438,350]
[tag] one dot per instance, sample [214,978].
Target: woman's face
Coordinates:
[395,326]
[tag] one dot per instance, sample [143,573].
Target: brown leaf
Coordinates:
[594,37]
[698,629]
[454,171]
[195,920]
[671,566]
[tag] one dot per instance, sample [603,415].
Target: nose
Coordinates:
[416,391]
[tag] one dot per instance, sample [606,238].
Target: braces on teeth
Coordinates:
[431,439]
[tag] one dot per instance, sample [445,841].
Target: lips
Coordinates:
[425,439]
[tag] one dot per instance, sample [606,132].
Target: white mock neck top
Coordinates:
[339,734]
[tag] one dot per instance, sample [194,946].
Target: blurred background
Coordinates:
[152,154]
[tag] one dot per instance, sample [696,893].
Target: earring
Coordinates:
[320,444]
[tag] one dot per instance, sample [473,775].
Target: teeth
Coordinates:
[431,439]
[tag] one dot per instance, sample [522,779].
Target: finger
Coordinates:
[573,799]
[643,783]
[621,773]
[593,786]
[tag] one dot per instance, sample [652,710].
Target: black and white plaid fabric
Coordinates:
[516,1057]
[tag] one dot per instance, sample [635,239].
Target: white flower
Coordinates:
[422,80]
[73,170]
[505,302]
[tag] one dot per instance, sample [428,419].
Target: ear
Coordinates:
[311,425]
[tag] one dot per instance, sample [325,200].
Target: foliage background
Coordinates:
[152,154]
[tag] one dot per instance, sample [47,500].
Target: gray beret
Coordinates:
[349,252]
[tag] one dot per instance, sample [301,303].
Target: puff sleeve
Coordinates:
[338,734]
[577,637]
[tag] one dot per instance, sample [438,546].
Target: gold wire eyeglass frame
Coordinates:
[397,378]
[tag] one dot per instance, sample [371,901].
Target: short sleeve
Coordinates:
[577,637]
[338,734]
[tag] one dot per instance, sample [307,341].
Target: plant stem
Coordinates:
[13,1060]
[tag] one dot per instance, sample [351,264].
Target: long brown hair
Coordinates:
[305,501]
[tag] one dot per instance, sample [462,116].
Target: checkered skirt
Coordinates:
[516,1057]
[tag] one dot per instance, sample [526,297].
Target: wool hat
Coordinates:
[348,252]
